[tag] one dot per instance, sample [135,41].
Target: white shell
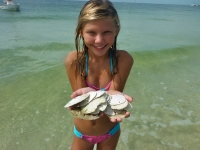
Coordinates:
[103,106]
[117,111]
[100,93]
[99,108]
[109,111]
[121,115]
[76,100]
[83,103]
[108,97]
[120,106]
[96,112]
[128,106]
[117,99]
[92,95]
[92,106]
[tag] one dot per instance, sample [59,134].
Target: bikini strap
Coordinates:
[115,129]
[111,63]
[77,133]
[86,67]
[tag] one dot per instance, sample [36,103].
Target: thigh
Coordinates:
[110,143]
[80,144]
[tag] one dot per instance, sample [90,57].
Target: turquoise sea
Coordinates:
[164,81]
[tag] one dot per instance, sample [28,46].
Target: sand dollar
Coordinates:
[116,99]
[121,115]
[77,100]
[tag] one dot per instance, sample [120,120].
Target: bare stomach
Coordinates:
[94,127]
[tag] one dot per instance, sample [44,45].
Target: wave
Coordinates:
[166,55]
[32,58]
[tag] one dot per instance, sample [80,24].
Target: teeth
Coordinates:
[99,46]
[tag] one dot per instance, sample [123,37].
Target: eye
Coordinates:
[107,32]
[91,32]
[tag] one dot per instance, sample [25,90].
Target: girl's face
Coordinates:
[99,35]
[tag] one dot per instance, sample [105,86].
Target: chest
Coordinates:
[99,75]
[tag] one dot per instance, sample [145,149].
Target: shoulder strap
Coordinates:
[86,67]
[111,63]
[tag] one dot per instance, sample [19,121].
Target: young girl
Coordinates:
[97,65]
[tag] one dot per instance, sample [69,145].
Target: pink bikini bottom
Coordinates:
[97,139]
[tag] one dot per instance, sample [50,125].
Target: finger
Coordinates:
[119,119]
[69,108]
[127,114]
[113,120]
[77,93]
[128,98]
[81,91]
[116,120]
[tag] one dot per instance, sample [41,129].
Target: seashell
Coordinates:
[128,106]
[103,106]
[96,112]
[120,106]
[83,103]
[76,100]
[92,106]
[117,111]
[92,96]
[100,108]
[107,97]
[109,111]
[100,93]
[121,115]
[117,99]
[78,114]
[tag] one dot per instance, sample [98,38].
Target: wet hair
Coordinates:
[94,10]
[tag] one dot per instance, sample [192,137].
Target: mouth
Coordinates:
[99,47]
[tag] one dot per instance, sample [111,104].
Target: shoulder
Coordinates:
[124,66]
[71,57]
[124,57]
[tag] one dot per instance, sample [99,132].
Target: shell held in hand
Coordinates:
[88,106]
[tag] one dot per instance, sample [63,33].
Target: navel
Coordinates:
[93,122]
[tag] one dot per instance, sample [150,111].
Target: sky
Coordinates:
[180,2]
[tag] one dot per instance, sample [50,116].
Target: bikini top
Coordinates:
[92,86]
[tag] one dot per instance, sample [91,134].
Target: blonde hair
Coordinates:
[94,10]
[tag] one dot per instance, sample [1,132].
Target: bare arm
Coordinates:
[75,79]
[125,63]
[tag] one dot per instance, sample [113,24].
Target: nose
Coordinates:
[99,38]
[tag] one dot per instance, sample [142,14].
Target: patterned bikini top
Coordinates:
[92,86]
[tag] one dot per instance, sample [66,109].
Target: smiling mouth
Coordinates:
[99,47]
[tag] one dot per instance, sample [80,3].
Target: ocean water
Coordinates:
[164,81]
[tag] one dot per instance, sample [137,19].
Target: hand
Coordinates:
[111,92]
[120,119]
[81,91]
[78,93]
[128,98]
